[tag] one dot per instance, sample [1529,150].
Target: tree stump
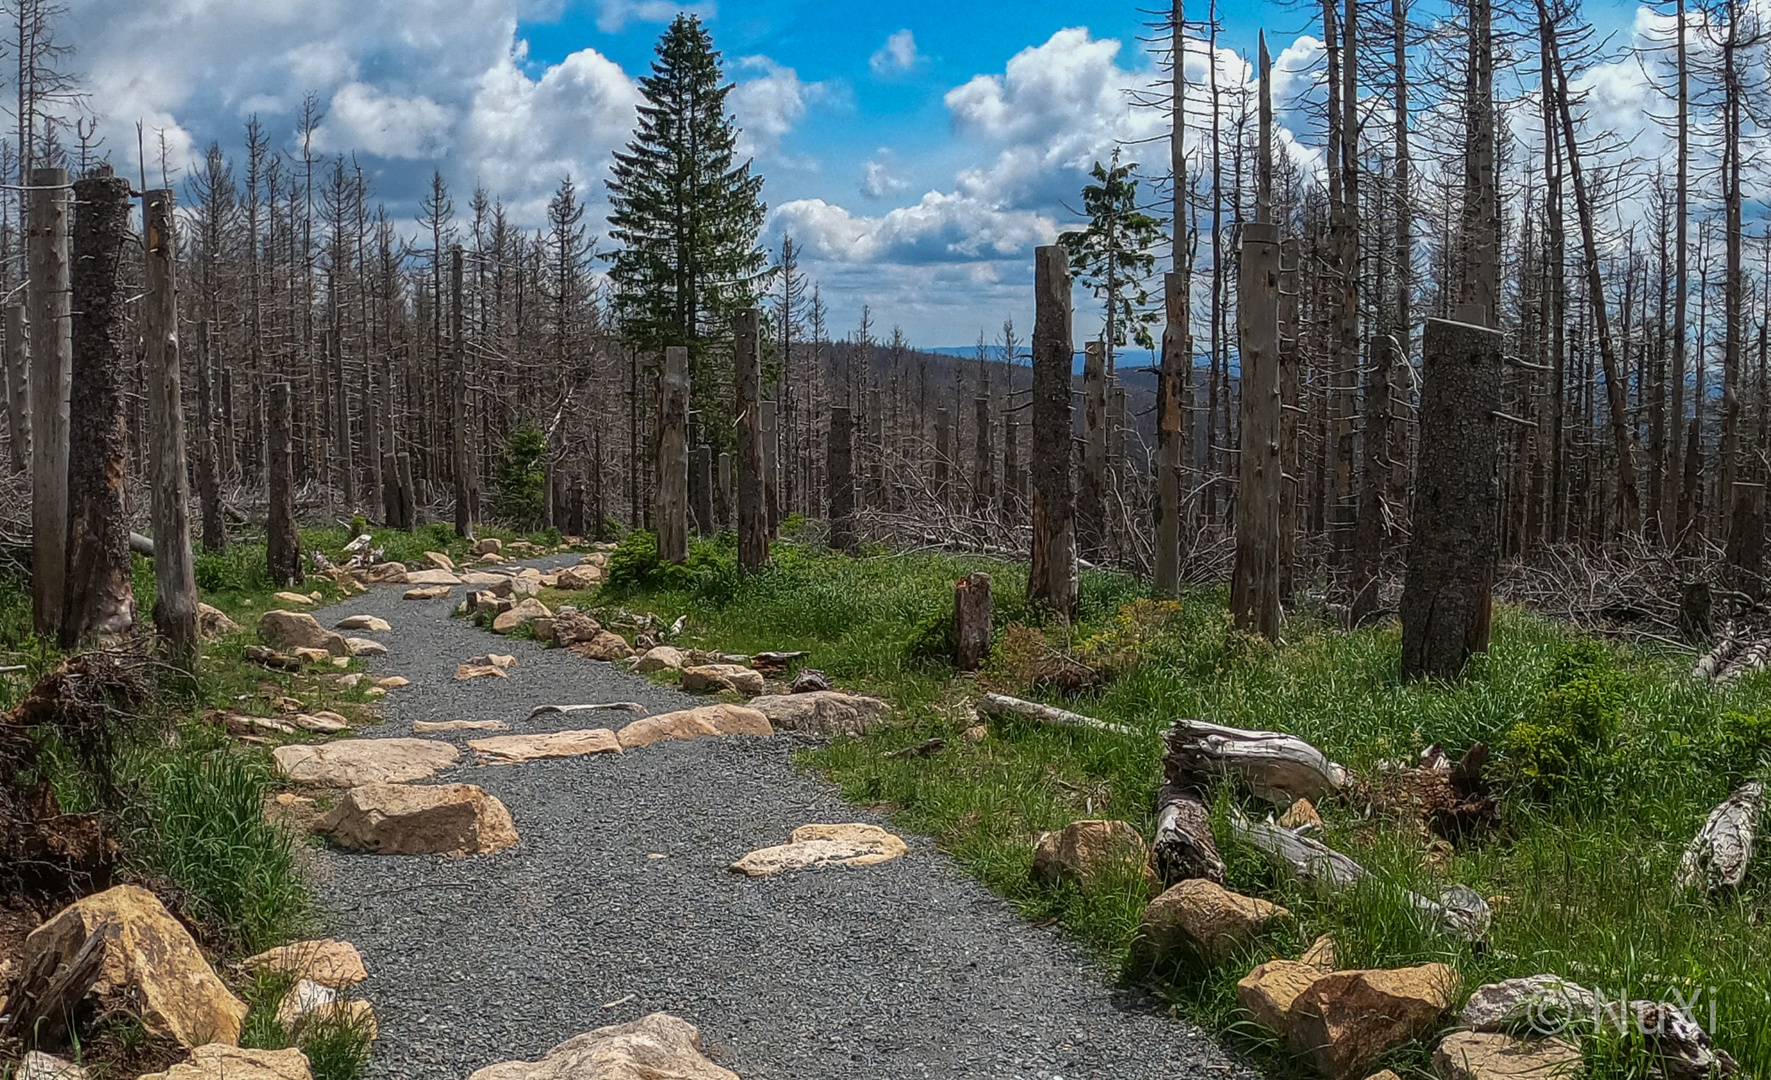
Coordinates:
[971,621]
[1447,598]
[1052,580]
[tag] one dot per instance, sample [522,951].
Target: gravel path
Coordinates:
[618,903]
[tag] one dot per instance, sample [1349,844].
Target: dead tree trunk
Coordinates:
[18,388]
[1254,591]
[1091,511]
[51,332]
[704,490]
[282,541]
[839,473]
[215,532]
[175,580]
[943,458]
[983,471]
[1052,581]
[461,462]
[971,621]
[1447,598]
[100,601]
[753,521]
[670,507]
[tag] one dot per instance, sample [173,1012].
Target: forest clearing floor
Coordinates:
[619,902]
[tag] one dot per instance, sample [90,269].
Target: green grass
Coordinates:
[1580,874]
[337,1048]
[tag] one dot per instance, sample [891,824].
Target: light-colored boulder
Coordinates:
[354,762]
[431,577]
[426,727]
[576,579]
[436,560]
[427,592]
[714,678]
[657,1047]
[212,622]
[1322,955]
[1345,1021]
[660,658]
[232,1063]
[386,573]
[1203,919]
[294,599]
[308,1003]
[825,712]
[1541,1001]
[327,961]
[605,646]
[40,1066]
[1475,1055]
[290,630]
[365,624]
[509,749]
[487,546]
[493,664]
[572,628]
[362,646]
[311,656]
[1085,853]
[325,723]
[706,721]
[824,845]
[519,614]
[151,954]
[442,819]
[1270,990]
[392,682]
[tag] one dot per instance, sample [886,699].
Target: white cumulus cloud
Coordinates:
[897,55]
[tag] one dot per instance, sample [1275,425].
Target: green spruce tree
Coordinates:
[686,215]
[1115,254]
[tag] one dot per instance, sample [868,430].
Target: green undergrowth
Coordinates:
[1607,760]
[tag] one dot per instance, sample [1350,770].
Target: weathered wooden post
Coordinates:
[704,490]
[753,523]
[175,581]
[215,533]
[983,469]
[1052,580]
[1091,500]
[840,475]
[1447,597]
[670,508]
[971,621]
[1254,589]
[18,388]
[100,602]
[282,541]
[460,458]
[51,336]
[771,464]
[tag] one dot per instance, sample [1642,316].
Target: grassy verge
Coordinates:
[1608,761]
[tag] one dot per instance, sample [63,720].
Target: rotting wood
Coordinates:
[1184,846]
[972,621]
[1277,768]
[606,706]
[1719,856]
[1003,707]
[40,1010]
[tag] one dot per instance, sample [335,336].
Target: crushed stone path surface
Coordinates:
[619,903]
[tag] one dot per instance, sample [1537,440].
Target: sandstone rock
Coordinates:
[488,546]
[392,682]
[375,692]
[432,577]
[212,622]
[571,628]
[387,573]
[1205,920]
[309,1002]
[605,646]
[1300,814]
[520,614]
[1270,990]
[509,749]
[492,583]
[354,762]
[661,658]
[151,953]
[1472,1055]
[294,598]
[351,681]
[362,646]
[326,723]
[574,580]
[975,734]
[232,1063]
[428,592]
[327,961]
[1321,955]
[365,623]
[1387,1074]
[436,560]
[657,1047]
[709,720]
[824,712]
[445,819]
[490,559]
[290,630]
[714,678]
[1343,1022]
[425,727]
[1085,851]
[1544,1001]
[311,656]
[824,845]
[542,628]
[482,666]
[40,1066]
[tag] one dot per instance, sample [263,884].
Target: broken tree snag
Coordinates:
[971,621]
[1447,596]
[1176,371]
[1254,589]
[48,296]
[215,530]
[460,454]
[1091,496]
[1051,581]
[704,523]
[282,543]
[1719,856]
[984,445]
[1001,706]
[18,394]
[1277,768]
[175,580]
[670,507]
[839,474]
[753,520]
[44,999]
[1184,846]
[100,601]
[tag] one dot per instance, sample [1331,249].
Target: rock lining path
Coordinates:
[618,903]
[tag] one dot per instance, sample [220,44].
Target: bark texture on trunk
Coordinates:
[175,580]
[1052,582]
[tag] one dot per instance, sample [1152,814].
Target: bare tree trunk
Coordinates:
[1254,589]
[840,475]
[52,353]
[100,602]
[1091,523]
[18,388]
[215,533]
[671,509]
[282,539]
[1177,340]
[753,522]
[175,581]
[704,490]
[461,460]
[1052,580]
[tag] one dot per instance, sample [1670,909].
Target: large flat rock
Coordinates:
[655,1047]
[704,722]
[397,819]
[509,749]
[353,762]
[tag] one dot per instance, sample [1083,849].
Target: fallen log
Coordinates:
[927,748]
[1002,707]
[1277,768]
[1750,659]
[610,706]
[1718,857]
[1184,846]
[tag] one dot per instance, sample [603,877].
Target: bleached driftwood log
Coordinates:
[612,706]
[1277,768]
[1001,706]
[1719,856]
[1184,846]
